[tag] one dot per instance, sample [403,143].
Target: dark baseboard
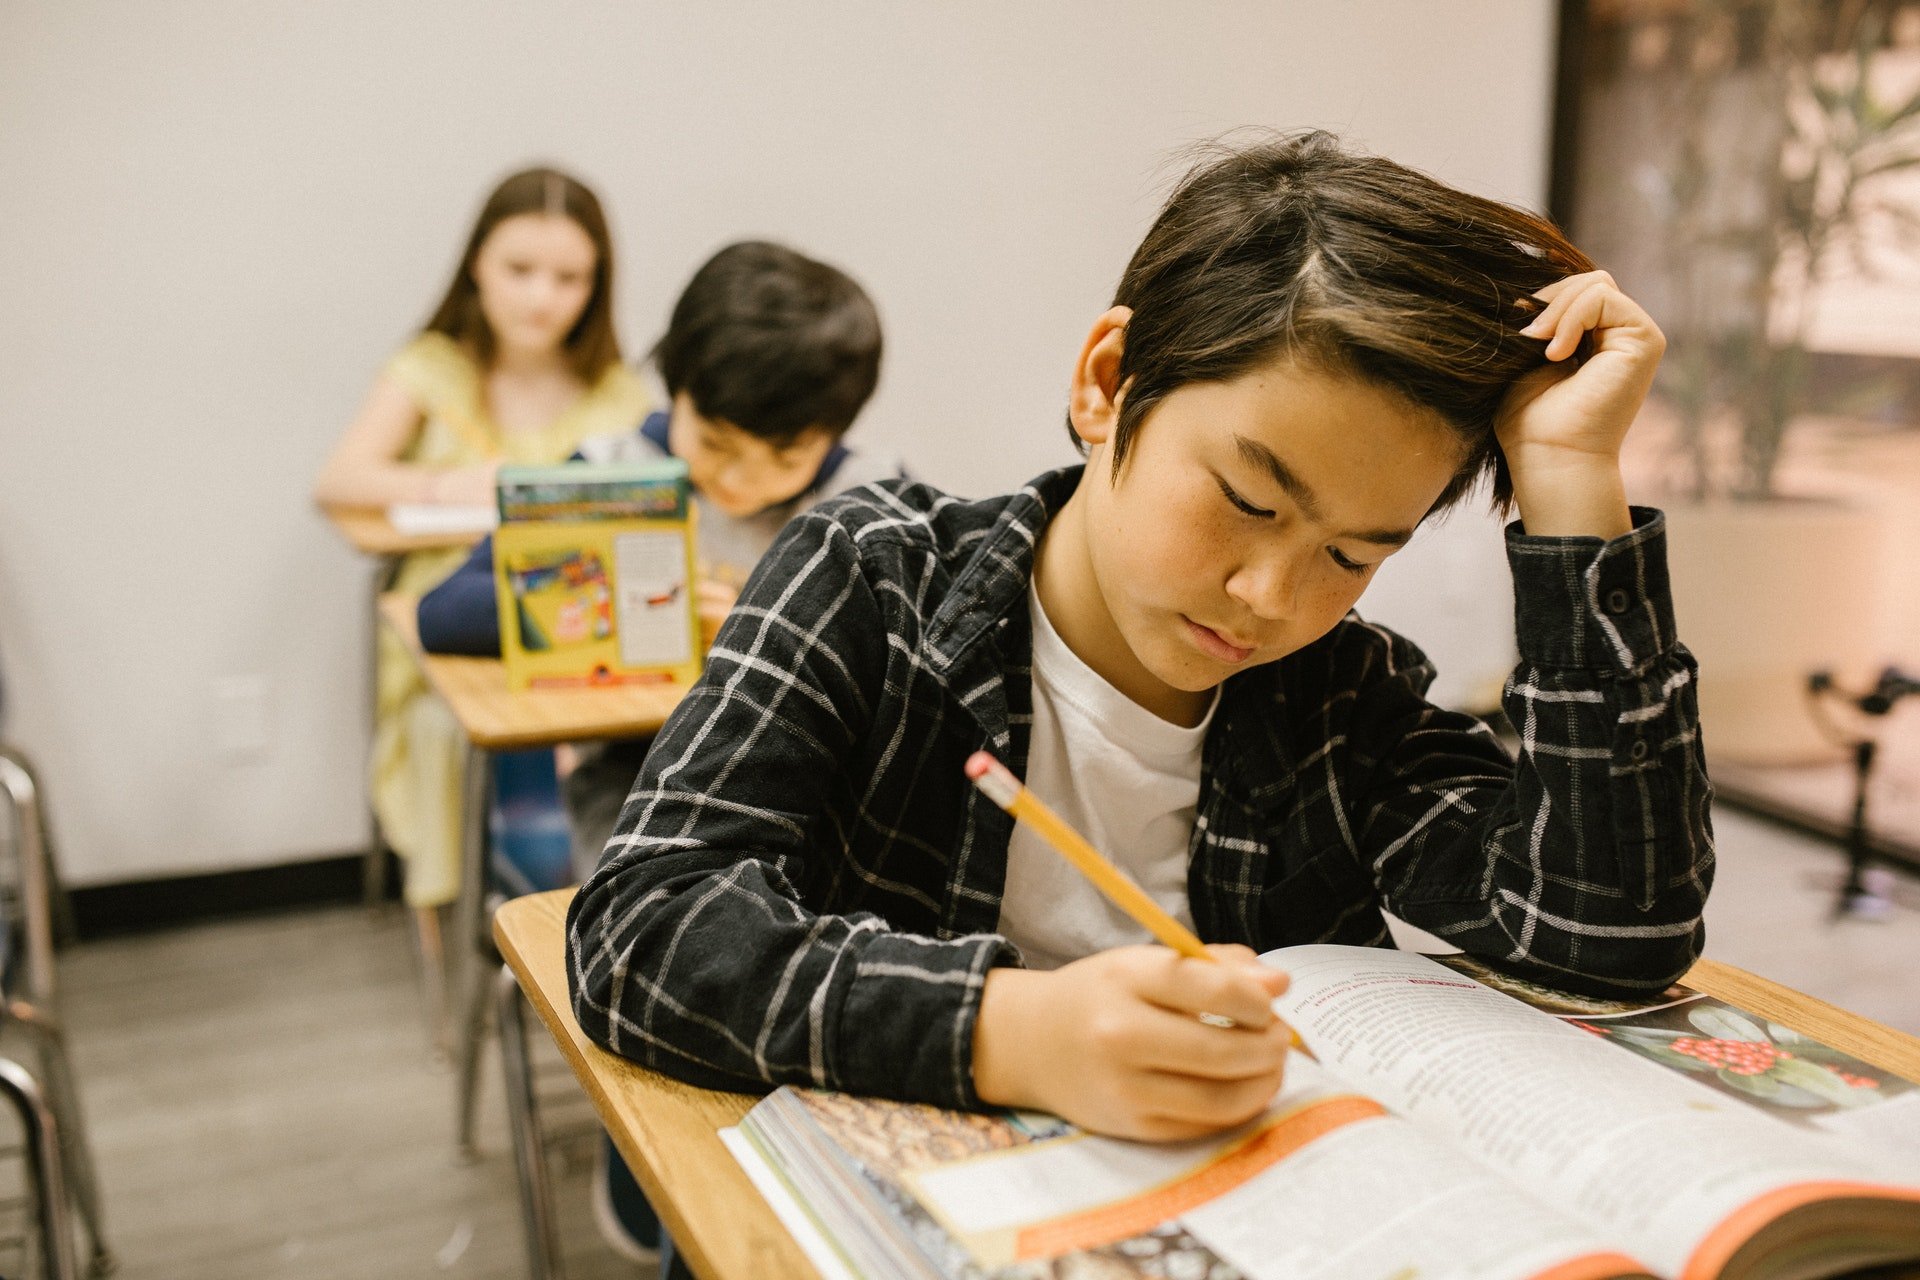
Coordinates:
[142,906]
[1889,851]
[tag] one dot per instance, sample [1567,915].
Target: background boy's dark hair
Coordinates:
[772,342]
[1296,246]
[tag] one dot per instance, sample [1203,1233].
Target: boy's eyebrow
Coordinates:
[1258,455]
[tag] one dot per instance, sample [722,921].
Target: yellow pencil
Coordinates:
[1007,791]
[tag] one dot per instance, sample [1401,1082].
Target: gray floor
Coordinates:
[264,1102]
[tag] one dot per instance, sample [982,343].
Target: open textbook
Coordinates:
[1447,1129]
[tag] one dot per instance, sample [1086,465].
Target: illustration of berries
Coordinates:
[1740,1057]
[1858,1082]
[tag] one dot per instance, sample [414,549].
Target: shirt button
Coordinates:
[1638,751]
[1617,601]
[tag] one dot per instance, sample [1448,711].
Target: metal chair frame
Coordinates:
[58,1152]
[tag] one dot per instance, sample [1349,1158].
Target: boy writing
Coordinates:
[1311,352]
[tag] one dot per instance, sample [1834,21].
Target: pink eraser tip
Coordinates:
[979,765]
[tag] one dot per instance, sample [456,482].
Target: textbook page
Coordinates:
[1659,1163]
[1325,1185]
[1778,1070]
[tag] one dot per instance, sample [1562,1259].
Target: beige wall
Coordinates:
[217,217]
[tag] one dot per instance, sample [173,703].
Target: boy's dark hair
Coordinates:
[772,342]
[592,346]
[1296,246]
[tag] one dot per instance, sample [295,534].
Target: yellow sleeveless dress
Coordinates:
[419,751]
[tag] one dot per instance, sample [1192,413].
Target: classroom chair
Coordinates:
[59,1158]
[527,850]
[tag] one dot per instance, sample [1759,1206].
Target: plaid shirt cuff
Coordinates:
[1591,604]
[905,1028]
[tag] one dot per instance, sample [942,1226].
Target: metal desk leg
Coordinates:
[472,957]
[373,862]
[530,1161]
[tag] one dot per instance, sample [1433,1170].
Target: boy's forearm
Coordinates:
[1591,866]
[1570,495]
[701,965]
[1008,1005]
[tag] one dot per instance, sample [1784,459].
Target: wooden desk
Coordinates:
[369,531]
[497,718]
[667,1130]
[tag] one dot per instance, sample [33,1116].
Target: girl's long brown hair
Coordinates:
[592,346]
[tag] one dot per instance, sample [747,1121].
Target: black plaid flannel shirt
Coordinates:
[803,887]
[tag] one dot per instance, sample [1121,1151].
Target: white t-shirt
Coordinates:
[1125,779]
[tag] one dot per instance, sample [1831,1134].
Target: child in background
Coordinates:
[519,363]
[767,359]
[1311,352]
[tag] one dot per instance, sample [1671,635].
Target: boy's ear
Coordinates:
[1093,405]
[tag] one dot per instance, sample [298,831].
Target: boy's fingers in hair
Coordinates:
[1559,297]
[1596,306]
[1614,319]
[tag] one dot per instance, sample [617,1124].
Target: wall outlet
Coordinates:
[241,725]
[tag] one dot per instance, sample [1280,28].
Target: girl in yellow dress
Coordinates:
[519,363]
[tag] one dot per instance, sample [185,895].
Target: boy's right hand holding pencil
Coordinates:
[1115,1042]
[1156,1043]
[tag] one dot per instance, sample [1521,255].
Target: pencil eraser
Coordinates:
[979,764]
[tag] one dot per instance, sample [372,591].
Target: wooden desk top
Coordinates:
[720,1221]
[498,718]
[370,532]
[716,1217]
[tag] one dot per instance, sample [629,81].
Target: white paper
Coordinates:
[652,599]
[420,519]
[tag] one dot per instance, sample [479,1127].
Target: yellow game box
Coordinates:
[597,586]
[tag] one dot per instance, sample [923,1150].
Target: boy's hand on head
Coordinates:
[1562,426]
[1115,1043]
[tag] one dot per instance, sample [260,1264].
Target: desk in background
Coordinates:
[369,531]
[668,1130]
[497,718]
